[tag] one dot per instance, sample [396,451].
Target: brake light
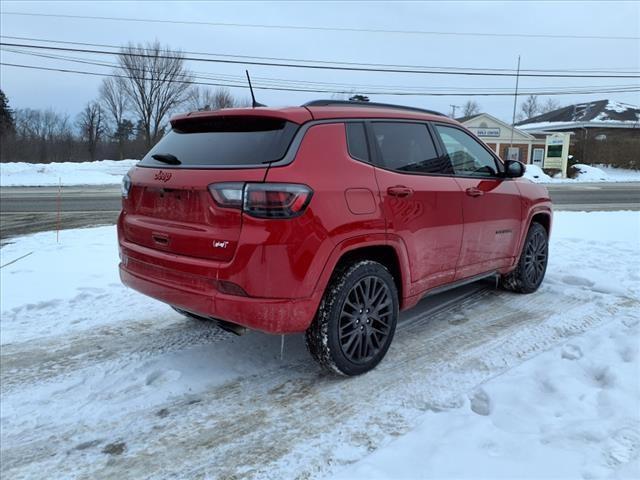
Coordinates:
[263,200]
[276,200]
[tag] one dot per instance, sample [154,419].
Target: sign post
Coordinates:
[556,152]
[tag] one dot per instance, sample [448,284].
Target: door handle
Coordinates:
[474,192]
[400,191]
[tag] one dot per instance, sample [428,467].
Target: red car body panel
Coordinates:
[177,245]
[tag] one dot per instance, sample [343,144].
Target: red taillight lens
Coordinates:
[227,194]
[276,200]
[263,200]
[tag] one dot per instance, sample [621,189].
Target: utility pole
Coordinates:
[453,110]
[515,102]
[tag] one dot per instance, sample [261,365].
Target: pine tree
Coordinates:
[7,122]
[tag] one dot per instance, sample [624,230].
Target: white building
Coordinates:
[508,142]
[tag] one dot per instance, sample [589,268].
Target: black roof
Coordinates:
[598,111]
[349,103]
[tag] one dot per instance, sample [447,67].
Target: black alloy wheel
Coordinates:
[366,319]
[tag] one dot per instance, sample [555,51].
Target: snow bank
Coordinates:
[536,174]
[620,174]
[585,173]
[102,172]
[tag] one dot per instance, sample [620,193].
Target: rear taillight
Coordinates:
[227,194]
[276,200]
[263,200]
[126,186]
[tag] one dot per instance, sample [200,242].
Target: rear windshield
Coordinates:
[224,142]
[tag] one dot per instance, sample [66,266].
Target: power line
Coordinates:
[330,29]
[335,62]
[240,80]
[311,90]
[136,52]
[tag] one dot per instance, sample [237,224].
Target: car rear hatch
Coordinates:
[170,203]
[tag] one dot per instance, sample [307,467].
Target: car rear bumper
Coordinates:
[197,294]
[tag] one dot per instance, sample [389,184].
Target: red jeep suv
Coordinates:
[327,219]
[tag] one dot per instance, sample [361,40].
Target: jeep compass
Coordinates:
[328,218]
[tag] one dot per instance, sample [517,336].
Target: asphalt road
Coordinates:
[33,209]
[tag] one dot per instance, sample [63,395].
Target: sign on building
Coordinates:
[557,152]
[486,132]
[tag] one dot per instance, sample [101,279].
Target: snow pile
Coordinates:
[102,172]
[586,173]
[536,174]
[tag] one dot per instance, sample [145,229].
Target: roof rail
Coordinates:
[348,103]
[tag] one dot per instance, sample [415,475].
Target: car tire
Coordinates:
[356,320]
[532,265]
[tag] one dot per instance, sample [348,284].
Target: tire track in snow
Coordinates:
[290,420]
[123,343]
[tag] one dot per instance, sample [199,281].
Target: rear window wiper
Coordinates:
[166,158]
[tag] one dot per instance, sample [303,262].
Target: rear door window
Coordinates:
[408,147]
[220,142]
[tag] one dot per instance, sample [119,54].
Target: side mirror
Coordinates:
[513,169]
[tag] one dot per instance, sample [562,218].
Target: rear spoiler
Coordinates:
[294,114]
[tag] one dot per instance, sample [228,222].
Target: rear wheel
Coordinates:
[529,272]
[356,319]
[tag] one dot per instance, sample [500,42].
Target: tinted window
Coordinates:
[225,141]
[467,156]
[357,141]
[408,147]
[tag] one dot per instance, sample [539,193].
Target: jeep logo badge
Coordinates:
[162,176]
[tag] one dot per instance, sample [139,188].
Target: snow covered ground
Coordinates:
[585,173]
[97,381]
[102,172]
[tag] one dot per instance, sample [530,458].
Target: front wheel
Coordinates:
[529,272]
[356,320]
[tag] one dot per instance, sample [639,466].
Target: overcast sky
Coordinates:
[69,92]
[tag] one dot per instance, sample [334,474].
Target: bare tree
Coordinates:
[201,98]
[550,105]
[41,124]
[91,124]
[529,108]
[44,136]
[113,97]
[471,107]
[157,82]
